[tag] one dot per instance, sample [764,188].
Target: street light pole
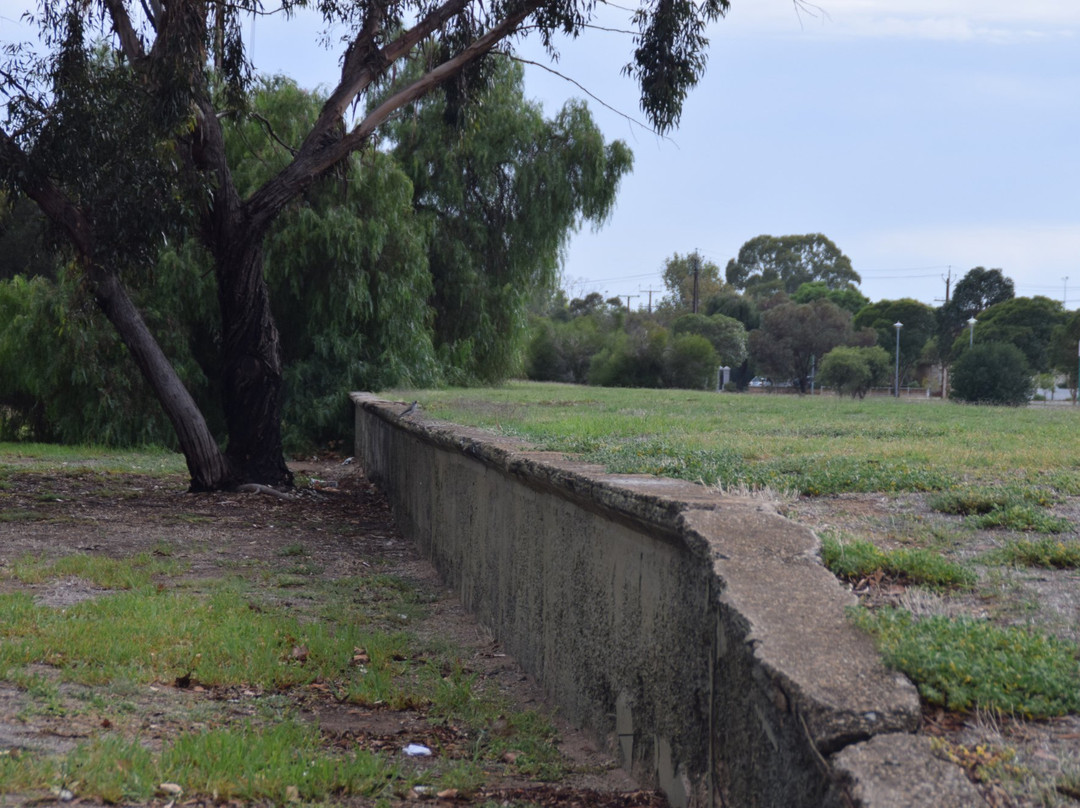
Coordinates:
[898,325]
[971,333]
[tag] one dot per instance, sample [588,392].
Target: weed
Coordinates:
[963,664]
[860,558]
[967,501]
[1044,552]
[292,551]
[1030,518]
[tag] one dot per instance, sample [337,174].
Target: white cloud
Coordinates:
[954,20]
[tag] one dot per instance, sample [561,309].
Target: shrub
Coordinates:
[690,362]
[1044,552]
[992,373]
[853,371]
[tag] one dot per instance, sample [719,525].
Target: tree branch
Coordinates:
[270,131]
[591,95]
[318,153]
[129,38]
[52,201]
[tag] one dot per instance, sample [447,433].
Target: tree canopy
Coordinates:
[690,281]
[768,264]
[793,335]
[500,188]
[124,151]
[918,325]
[1026,322]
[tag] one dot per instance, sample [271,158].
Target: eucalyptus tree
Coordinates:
[1026,322]
[691,280]
[977,291]
[793,335]
[769,264]
[121,156]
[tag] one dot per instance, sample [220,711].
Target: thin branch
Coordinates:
[810,9]
[270,131]
[591,95]
[433,78]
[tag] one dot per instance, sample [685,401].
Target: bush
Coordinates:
[992,373]
[853,371]
[691,362]
[634,358]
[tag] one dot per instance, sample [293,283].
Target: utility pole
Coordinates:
[695,260]
[944,370]
[628,301]
[650,291]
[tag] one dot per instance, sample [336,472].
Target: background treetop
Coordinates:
[682,272]
[768,264]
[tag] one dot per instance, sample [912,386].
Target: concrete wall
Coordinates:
[696,634]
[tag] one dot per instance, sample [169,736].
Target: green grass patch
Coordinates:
[21,515]
[1044,552]
[815,445]
[295,550]
[860,558]
[108,573]
[278,764]
[38,457]
[967,664]
[1027,518]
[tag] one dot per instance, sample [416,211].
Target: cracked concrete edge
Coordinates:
[859,715]
[899,771]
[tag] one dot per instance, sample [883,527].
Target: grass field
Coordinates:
[810,445]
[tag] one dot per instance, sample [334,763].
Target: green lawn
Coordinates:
[812,445]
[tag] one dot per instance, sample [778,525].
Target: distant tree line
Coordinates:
[789,308]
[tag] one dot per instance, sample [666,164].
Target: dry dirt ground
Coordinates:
[346,529]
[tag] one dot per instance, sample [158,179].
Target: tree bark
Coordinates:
[251,379]
[208,468]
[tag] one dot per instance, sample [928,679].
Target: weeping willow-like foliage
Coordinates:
[345,266]
[407,267]
[500,188]
[66,377]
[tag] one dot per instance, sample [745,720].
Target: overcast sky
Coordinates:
[922,136]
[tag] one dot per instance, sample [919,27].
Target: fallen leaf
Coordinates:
[292,794]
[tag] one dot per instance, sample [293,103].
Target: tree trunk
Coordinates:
[251,354]
[209,469]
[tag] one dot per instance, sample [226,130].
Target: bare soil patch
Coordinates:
[337,525]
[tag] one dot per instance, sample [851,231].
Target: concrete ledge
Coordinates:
[698,635]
